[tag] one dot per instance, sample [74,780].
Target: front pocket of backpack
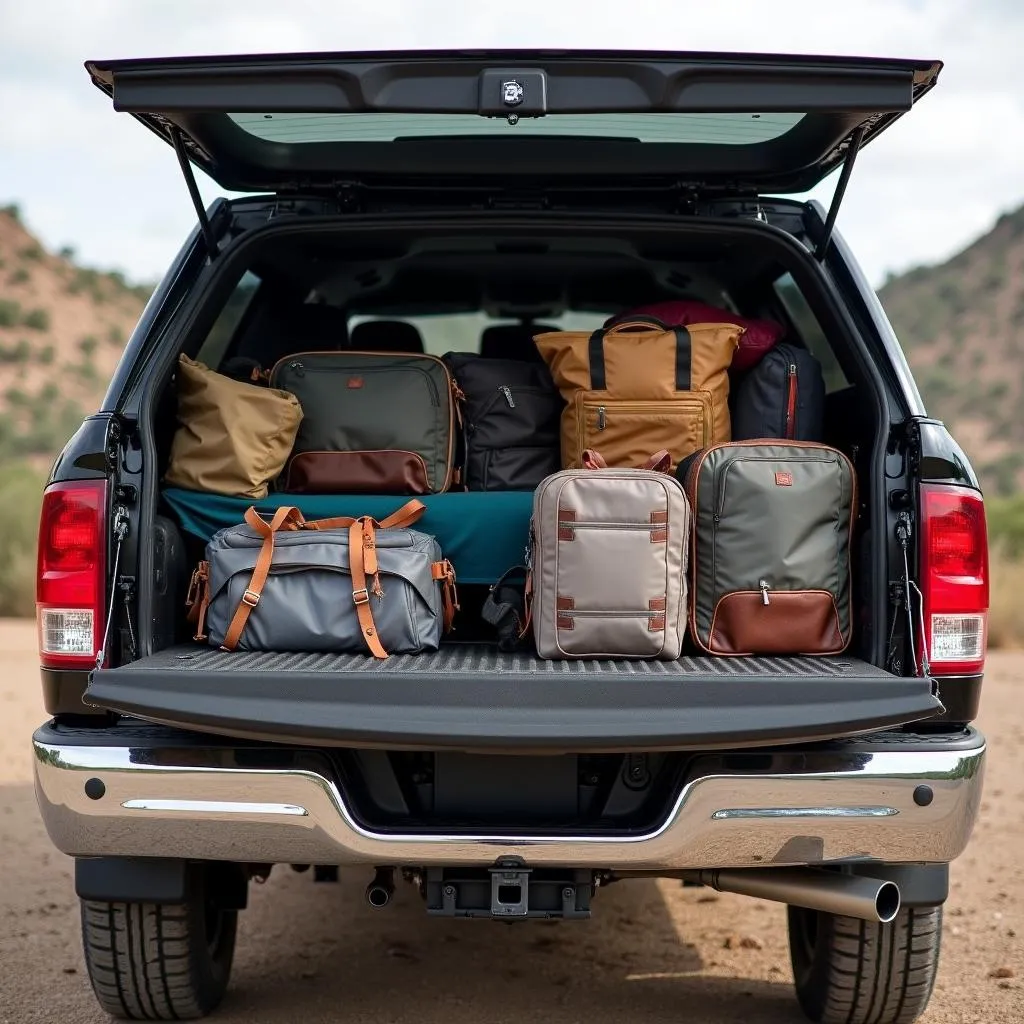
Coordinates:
[587,633]
[628,433]
[781,622]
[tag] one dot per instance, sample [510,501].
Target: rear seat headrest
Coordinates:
[513,341]
[386,336]
[283,331]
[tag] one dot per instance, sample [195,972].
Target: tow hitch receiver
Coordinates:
[509,891]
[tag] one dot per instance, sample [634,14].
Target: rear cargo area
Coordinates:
[437,288]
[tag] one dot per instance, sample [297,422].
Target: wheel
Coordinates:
[151,961]
[849,971]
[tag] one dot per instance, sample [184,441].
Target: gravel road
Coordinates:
[653,952]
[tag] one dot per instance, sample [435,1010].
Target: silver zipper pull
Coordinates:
[763,584]
[601,419]
[507,392]
[299,369]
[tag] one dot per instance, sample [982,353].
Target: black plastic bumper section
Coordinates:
[471,698]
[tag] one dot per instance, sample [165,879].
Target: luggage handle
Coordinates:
[362,564]
[659,462]
[598,378]
[648,323]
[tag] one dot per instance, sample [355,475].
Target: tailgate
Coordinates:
[469,697]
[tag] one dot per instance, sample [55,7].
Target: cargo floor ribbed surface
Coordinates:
[483,660]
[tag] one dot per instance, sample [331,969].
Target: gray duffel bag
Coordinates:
[344,584]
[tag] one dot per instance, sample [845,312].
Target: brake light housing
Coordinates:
[954,578]
[71,573]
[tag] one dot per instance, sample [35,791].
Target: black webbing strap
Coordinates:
[684,356]
[598,381]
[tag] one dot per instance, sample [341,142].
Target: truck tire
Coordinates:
[849,971]
[151,961]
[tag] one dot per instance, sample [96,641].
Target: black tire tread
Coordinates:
[872,973]
[148,961]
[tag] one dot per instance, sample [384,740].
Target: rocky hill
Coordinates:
[62,329]
[962,326]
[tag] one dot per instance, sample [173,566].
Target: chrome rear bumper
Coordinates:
[850,801]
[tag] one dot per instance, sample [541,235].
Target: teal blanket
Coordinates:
[482,533]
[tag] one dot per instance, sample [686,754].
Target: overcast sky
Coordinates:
[87,177]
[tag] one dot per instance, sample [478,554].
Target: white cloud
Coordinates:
[97,180]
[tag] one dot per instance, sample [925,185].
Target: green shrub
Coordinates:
[46,355]
[87,346]
[1006,525]
[1006,613]
[10,313]
[13,210]
[32,252]
[21,489]
[66,252]
[19,276]
[37,320]
[115,336]
[16,352]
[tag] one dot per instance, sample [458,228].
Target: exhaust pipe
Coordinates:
[870,899]
[381,889]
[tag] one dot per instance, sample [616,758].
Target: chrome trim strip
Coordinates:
[802,807]
[805,812]
[187,807]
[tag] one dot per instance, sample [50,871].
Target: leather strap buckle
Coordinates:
[361,596]
[251,598]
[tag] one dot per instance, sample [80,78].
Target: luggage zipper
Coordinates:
[507,392]
[763,584]
[790,432]
[435,398]
[601,418]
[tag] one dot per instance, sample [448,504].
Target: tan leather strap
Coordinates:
[287,514]
[644,325]
[444,572]
[198,599]
[659,462]
[408,514]
[362,553]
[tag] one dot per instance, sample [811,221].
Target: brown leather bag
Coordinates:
[639,386]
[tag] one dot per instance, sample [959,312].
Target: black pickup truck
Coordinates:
[458,200]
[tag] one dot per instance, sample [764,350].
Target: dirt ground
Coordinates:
[653,952]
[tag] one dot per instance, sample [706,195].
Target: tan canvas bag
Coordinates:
[637,387]
[232,438]
[610,549]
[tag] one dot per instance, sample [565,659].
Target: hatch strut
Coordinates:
[193,191]
[837,197]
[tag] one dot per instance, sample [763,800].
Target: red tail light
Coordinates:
[954,577]
[72,572]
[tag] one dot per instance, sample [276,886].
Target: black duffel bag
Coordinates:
[783,397]
[510,422]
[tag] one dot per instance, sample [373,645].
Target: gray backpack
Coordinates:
[344,585]
[771,547]
[609,559]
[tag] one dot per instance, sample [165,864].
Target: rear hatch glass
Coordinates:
[773,124]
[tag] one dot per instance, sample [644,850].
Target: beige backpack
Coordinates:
[609,560]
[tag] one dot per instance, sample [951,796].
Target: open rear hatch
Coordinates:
[469,697]
[723,122]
